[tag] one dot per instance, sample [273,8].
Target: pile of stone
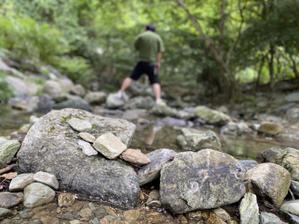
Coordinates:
[31,189]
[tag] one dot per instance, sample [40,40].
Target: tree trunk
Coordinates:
[271,65]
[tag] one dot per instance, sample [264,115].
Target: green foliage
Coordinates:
[5,91]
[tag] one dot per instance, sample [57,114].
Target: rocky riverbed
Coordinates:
[68,155]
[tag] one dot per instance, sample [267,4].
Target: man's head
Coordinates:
[150,27]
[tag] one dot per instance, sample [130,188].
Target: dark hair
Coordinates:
[150,27]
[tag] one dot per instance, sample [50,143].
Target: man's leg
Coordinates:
[126,84]
[157,91]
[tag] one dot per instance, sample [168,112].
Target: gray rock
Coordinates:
[44,105]
[26,103]
[211,116]
[269,218]
[113,101]
[78,90]
[270,128]
[202,180]
[46,178]
[152,170]
[75,103]
[247,164]
[95,97]
[140,102]
[195,140]
[53,89]
[292,97]
[79,124]
[291,207]
[9,200]
[87,137]
[4,213]
[21,181]
[293,113]
[235,129]
[134,114]
[7,151]
[295,188]
[288,158]
[21,87]
[269,180]
[111,181]
[249,210]
[109,145]
[164,110]
[87,149]
[37,194]
[294,219]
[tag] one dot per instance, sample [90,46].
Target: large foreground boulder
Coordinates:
[203,180]
[51,146]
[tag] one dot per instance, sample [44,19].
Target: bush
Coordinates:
[77,69]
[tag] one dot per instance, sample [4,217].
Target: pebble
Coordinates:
[46,178]
[20,182]
[79,125]
[86,147]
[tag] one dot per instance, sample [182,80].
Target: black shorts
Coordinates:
[147,68]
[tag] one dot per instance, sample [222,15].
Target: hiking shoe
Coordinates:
[160,102]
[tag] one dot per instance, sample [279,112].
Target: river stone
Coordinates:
[201,180]
[46,178]
[291,207]
[95,97]
[249,210]
[37,194]
[293,113]
[248,164]
[87,137]
[295,188]
[87,149]
[152,170]
[79,124]
[288,158]
[269,218]
[292,97]
[140,102]
[78,90]
[195,140]
[211,116]
[4,213]
[294,219]
[109,145]
[165,110]
[20,182]
[51,145]
[7,151]
[74,102]
[135,156]
[53,89]
[9,200]
[113,101]
[270,128]
[270,181]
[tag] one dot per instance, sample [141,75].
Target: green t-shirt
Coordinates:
[148,44]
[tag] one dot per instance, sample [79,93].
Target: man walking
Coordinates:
[150,47]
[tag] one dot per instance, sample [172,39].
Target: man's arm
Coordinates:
[158,61]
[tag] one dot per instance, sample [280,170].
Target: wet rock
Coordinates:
[235,129]
[269,180]
[87,149]
[109,145]
[140,102]
[78,90]
[20,182]
[211,116]
[195,140]
[85,214]
[293,113]
[152,170]
[75,103]
[79,124]
[291,207]
[288,158]
[66,199]
[8,149]
[37,194]
[51,146]
[270,128]
[249,210]
[135,156]
[295,188]
[96,97]
[46,178]
[9,200]
[87,137]
[202,180]
[4,213]
[113,101]
[153,200]
[134,114]
[247,164]
[131,216]
[269,218]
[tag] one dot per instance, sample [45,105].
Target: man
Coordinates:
[149,46]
